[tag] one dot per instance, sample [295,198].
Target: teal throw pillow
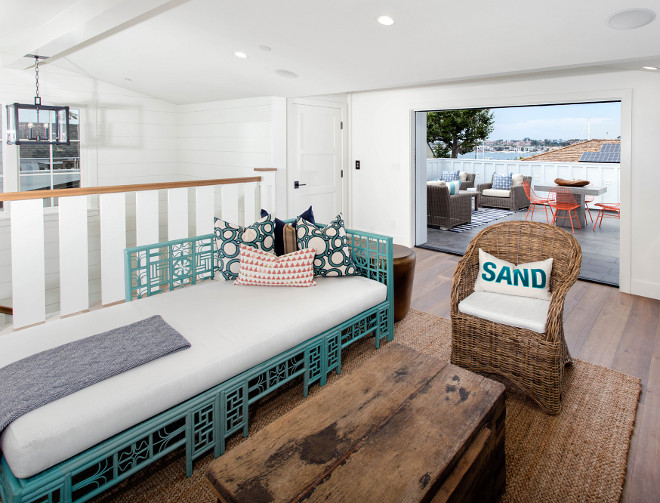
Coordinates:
[333,255]
[228,237]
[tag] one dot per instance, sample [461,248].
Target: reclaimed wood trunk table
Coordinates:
[404,426]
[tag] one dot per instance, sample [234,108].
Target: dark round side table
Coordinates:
[404,273]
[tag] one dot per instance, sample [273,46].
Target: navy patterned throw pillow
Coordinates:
[228,237]
[333,255]
[308,215]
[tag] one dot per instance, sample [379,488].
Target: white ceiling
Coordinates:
[182,50]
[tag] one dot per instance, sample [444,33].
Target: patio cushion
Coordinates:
[521,312]
[502,182]
[448,176]
[496,193]
[516,180]
[454,187]
[462,176]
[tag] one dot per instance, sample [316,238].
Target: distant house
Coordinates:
[574,153]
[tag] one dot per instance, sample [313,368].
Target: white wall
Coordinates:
[382,191]
[126,138]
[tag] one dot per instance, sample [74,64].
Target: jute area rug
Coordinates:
[579,455]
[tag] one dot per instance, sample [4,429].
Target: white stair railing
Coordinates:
[240,200]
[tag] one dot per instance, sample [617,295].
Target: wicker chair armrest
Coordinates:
[519,197]
[484,186]
[465,274]
[467,185]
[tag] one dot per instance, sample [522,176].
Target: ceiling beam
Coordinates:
[79,25]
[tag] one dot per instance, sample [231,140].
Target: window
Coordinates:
[44,167]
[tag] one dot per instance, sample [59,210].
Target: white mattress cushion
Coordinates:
[217,317]
[522,312]
[496,193]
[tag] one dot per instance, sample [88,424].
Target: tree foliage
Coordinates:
[453,132]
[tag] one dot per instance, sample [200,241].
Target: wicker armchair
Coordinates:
[532,361]
[517,200]
[469,181]
[445,211]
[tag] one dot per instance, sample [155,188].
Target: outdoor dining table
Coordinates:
[563,218]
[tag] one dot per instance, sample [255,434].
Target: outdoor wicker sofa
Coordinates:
[531,360]
[517,198]
[445,211]
[246,342]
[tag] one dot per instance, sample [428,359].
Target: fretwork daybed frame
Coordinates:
[207,420]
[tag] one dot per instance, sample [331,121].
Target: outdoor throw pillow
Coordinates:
[228,237]
[333,255]
[308,215]
[449,176]
[525,280]
[502,182]
[259,268]
[454,187]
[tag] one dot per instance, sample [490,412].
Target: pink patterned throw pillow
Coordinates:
[259,268]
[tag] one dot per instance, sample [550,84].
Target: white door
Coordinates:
[315,160]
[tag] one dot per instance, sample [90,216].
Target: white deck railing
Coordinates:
[542,173]
[183,208]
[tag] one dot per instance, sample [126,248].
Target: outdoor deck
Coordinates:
[600,248]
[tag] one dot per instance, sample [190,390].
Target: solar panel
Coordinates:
[610,152]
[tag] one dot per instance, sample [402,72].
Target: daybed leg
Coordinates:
[189,444]
[378,338]
[306,375]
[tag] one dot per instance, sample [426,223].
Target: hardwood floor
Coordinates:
[602,326]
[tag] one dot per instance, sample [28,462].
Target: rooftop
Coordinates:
[572,153]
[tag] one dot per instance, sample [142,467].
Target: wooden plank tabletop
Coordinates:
[392,430]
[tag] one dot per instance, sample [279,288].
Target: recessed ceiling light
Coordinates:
[287,74]
[385,20]
[131,80]
[630,19]
[650,67]
[240,54]
[265,48]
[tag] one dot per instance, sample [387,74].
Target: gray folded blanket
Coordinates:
[55,373]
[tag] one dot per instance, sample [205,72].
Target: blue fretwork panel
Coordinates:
[94,477]
[384,322]
[133,455]
[334,351]
[203,428]
[154,269]
[358,329]
[234,405]
[168,436]
[274,376]
[315,363]
[51,496]
[370,255]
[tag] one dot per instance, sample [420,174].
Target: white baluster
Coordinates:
[112,214]
[27,262]
[74,255]
[250,202]
[177,213]
[146,217]
[204,205]
[230,203]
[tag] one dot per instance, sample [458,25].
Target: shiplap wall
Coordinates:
[126,138]
[225,138]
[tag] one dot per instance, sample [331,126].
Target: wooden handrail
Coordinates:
[6,310]
[111,189]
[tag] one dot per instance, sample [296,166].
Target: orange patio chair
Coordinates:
[613,207]
[535,200]
[587,210]
[562,199]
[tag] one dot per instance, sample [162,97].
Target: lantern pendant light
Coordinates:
[37,124]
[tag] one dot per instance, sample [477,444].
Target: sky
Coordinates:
[557,122]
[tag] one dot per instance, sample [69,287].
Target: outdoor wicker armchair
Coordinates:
[445,211]
[468,182]
[516,200]
[532,361]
